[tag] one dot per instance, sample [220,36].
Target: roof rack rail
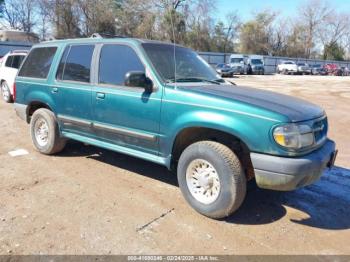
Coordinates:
[19,51]
[105,35]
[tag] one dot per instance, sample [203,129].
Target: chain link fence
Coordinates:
[270,62]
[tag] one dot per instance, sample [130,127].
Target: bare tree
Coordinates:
[334,28]
[97,16]
[20,14]
[312,16]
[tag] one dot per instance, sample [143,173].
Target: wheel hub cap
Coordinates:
[203,181]
[41,132]
[5,92]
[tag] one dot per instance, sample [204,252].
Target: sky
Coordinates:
[285,7]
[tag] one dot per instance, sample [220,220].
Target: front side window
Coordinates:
[75,64]
[115,62]
[38,62]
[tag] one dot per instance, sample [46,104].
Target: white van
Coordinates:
[255,65]
[238,62]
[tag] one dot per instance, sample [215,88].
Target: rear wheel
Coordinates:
[5,92]
[45,132]
[211,179]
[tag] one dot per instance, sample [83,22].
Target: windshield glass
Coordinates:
[189,65]
[236,60]
[301,64]
[256,61]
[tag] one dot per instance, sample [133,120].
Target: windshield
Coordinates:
[256,61]
[301,64]
[236,60]
[189,65]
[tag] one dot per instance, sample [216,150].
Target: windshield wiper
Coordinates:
[193,79]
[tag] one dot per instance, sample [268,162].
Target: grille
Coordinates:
[320,128]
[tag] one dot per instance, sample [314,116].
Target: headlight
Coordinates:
[294,136]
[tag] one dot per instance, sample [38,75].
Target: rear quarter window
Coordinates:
[38,62]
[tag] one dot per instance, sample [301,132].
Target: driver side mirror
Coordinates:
[139,79]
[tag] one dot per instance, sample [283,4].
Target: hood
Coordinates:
[293,108]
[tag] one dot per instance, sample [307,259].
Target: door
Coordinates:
[72,89]
[126,116]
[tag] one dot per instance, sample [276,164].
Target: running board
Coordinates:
[164,161]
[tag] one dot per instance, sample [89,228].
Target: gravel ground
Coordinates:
[92,201]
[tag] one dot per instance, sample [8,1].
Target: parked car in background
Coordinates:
[9,66]
[255,65]
[333,69]
[224,70]
[214,135]
[304,69]
[287,67]
[318,69]
[238,63]
[345,71]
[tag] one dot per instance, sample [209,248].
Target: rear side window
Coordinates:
[115,62]
[75,64]
[9,61]
[17,61]
[38,62]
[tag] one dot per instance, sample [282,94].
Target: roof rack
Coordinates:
[19,51]
[105,35]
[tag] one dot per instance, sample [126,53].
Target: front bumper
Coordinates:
[285,174]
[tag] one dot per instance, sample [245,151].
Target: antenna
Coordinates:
[174,40]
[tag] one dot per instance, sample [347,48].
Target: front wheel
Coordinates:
[45,132]
[211,179]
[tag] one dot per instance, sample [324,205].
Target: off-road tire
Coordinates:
[231,174]
[55,143]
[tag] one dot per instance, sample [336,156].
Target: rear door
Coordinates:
[126,116]
[72,89]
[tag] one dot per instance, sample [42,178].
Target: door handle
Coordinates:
[100,95]
[54,90]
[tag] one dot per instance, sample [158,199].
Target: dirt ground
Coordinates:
[91,201]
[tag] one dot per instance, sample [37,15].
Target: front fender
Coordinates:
[254,133]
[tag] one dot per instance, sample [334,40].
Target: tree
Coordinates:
[333,32]
[256,34]
[19,14]
[312,16]
[200,24]
[333,51]
[66,18]
[97,16]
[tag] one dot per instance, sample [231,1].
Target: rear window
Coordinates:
[75,64]
[38,62]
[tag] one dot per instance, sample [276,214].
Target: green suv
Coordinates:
[165,104]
